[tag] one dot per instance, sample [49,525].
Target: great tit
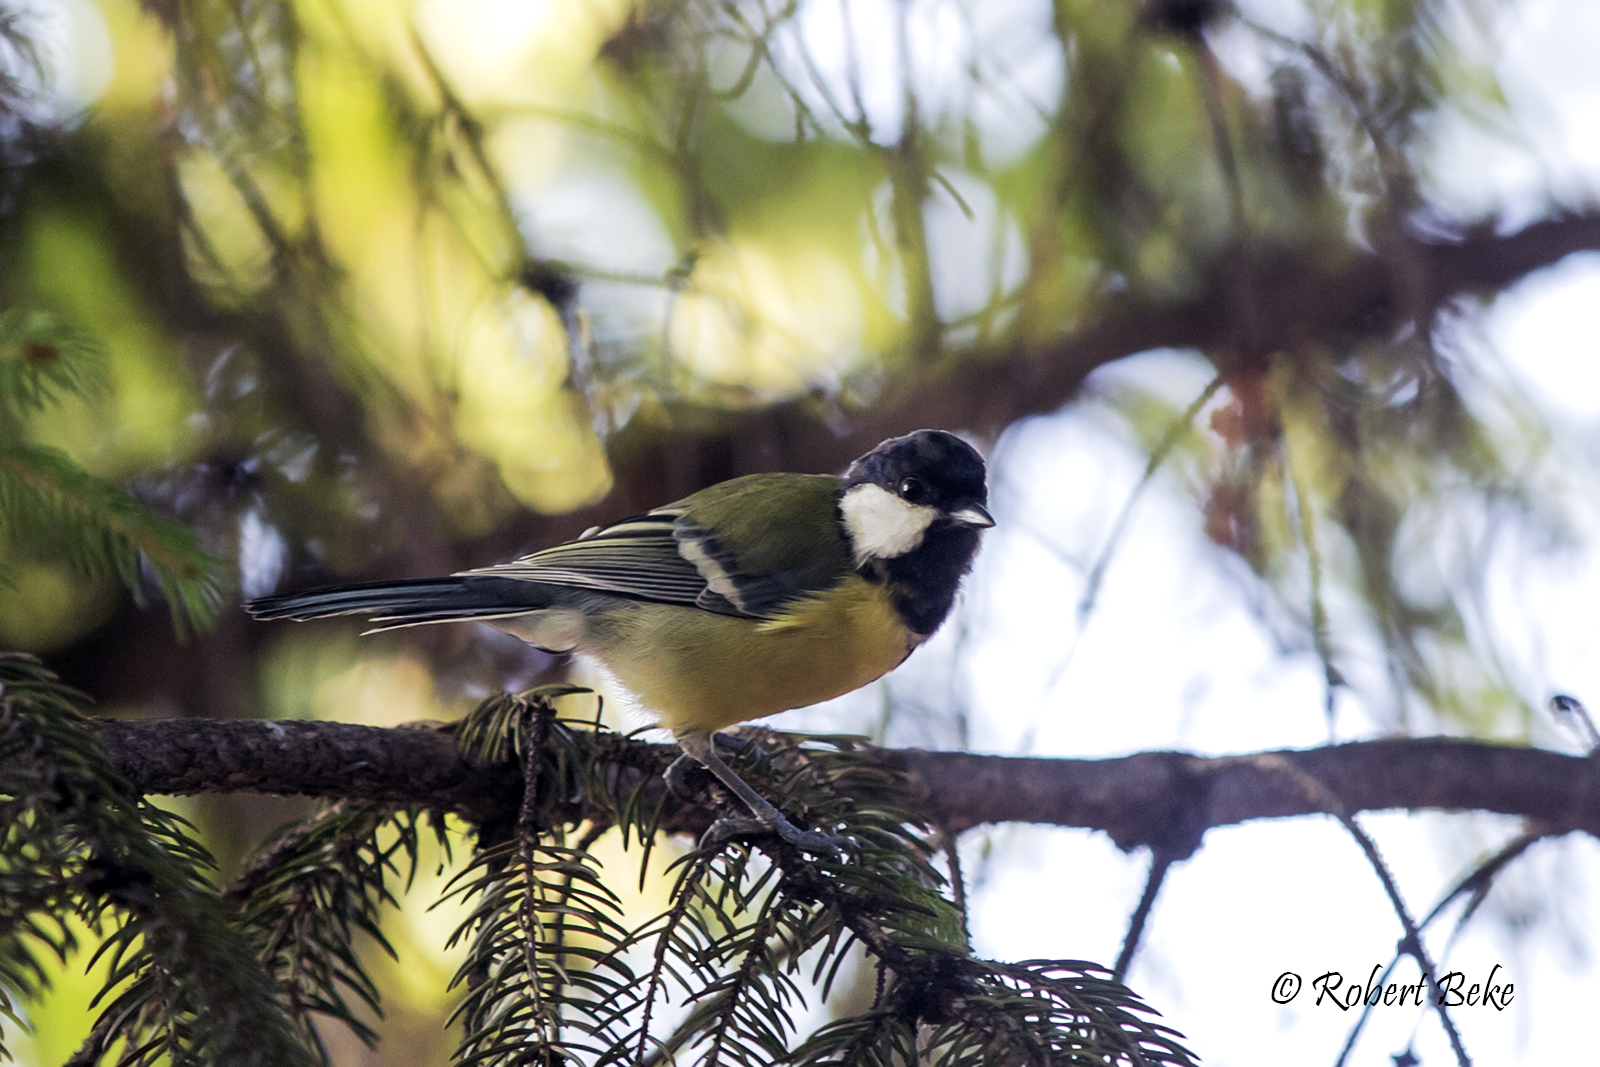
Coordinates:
[759,594]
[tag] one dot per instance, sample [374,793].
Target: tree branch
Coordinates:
[1162,799]
[1300,296]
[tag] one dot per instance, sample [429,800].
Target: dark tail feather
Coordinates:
[417,600]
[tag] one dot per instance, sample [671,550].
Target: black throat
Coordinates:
[923,582]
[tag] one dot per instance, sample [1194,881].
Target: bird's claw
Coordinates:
[833,846]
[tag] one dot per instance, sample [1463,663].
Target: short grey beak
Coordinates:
[973,515]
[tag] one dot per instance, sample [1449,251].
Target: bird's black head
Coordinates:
[912,508]
[927,469]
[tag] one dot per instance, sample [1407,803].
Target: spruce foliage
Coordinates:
[310,893]
[555,972]
[50,505]
[183,985]
[553,976]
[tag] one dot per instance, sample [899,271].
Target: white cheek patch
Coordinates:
[882,525]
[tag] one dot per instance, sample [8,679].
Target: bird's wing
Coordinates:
[790,542]
[794,547]
[638,558]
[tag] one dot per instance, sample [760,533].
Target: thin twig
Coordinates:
[679,911]
[94,1046]
[1478,882]
[1097,572]
[1160,860]
[1158,456]
[1412,944]
[949,842]
[1319,611]
[536,716]
[265,863]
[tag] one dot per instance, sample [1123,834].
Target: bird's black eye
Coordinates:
[913,490]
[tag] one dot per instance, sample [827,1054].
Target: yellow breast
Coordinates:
[702,671]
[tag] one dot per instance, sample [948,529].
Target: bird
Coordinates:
[756,595]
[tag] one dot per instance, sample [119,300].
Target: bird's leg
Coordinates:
[766,818]
[677,774]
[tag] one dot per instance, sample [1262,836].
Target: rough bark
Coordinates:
[1164,799]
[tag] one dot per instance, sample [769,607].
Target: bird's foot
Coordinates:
[764,819]
[833,846]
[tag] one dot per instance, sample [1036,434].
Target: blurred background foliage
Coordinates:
[358,289]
